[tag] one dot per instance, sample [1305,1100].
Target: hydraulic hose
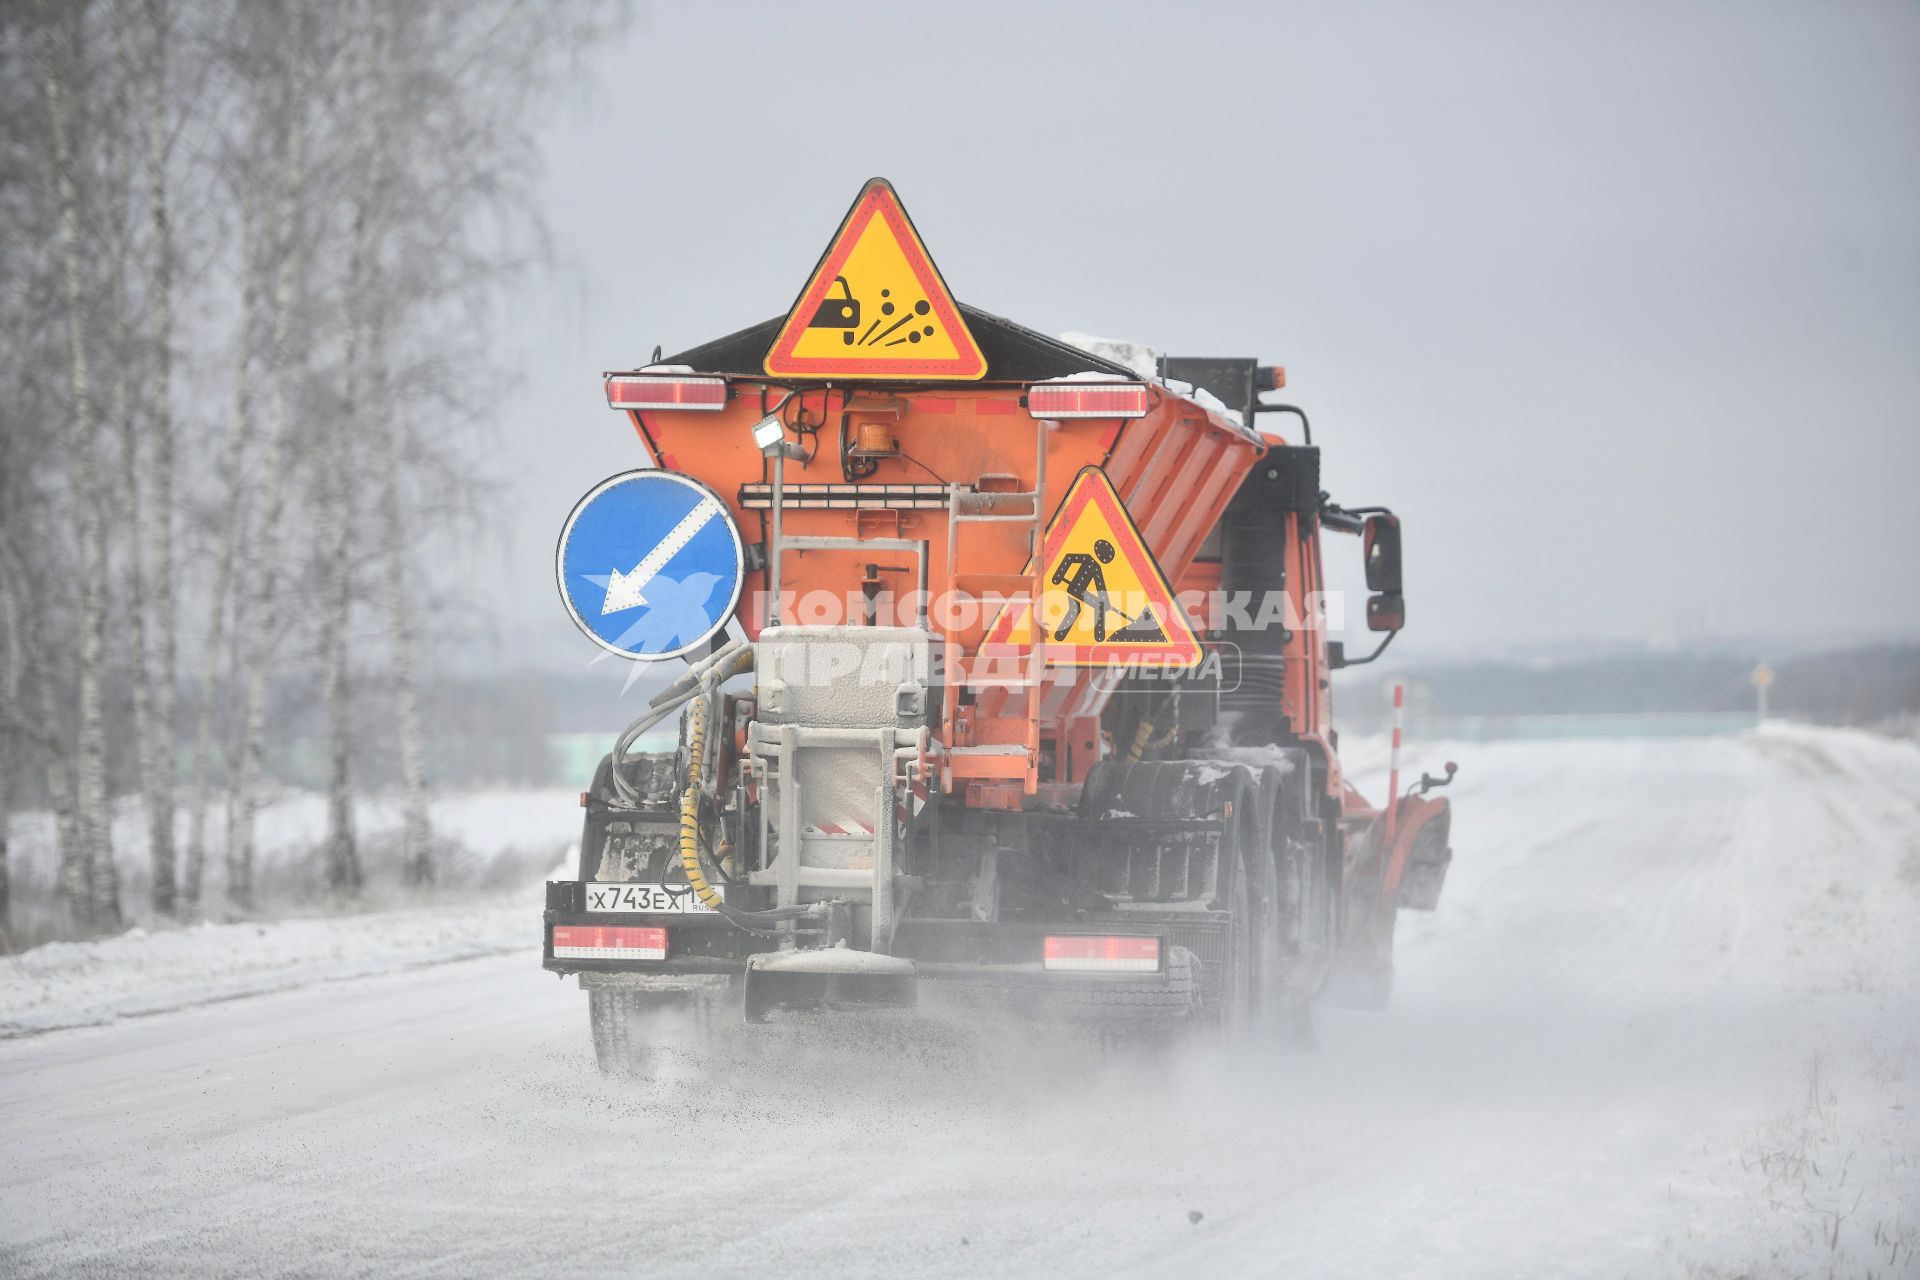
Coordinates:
[690,810]
[711,673]
[1141,737]
[710,897]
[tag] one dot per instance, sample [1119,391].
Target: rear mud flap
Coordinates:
[829,978]
[1426,872]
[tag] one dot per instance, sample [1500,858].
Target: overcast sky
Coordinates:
[1618,305]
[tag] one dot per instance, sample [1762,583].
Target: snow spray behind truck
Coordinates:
[1040,700]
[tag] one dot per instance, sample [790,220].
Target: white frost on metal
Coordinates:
[1137,356]
[840,959]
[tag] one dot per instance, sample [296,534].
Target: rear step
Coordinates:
[829,977]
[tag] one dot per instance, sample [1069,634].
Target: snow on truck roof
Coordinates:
[1014,353]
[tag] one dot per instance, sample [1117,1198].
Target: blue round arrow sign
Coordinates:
[650,564]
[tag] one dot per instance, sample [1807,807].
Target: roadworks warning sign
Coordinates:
[876,306]
[1104,601]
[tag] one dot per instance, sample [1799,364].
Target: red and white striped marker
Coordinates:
[846,827]
[1393,764]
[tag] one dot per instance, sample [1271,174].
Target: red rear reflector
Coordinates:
[1102,955]
[607,942]
[1087,400]
[665,391]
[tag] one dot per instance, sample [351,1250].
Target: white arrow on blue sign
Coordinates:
[650,564]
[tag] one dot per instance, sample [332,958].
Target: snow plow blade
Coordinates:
[827,977]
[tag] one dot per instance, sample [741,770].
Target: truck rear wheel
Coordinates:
[634,1030]
[618,1037]
[1237,1012]
[1248,937]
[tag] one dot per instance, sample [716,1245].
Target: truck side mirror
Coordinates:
[1380,545]
[1386,611]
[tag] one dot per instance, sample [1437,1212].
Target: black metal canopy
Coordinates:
[1014,352]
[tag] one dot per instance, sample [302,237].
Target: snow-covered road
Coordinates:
[1667,1021]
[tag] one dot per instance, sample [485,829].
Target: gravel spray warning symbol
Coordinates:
[876,306]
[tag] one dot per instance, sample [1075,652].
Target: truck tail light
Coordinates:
[665,391]
[1076,954]
[1069,399]
[608,942]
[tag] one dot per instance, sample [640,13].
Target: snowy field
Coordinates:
[1666,1022]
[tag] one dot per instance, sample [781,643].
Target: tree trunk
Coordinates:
[160,782]
[93,826]
[342,858]
[26,658]
[196,862]
[416,828]
[368,160]
[416,832]
[149,747]
[6,830]
[288,278]
[11,664]
[233,528]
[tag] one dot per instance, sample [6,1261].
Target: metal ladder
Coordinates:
[1000,761]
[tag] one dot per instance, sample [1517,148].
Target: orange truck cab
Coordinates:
[1025,695]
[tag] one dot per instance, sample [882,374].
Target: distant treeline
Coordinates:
[1862,686]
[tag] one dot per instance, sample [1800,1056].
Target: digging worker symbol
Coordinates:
[1088,586]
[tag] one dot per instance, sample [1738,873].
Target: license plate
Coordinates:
[670,899]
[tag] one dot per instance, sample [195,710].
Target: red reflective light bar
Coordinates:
[665,391]
[1087,400]
[1102,955]
[608,942]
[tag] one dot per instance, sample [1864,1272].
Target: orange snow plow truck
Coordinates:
[1001,671]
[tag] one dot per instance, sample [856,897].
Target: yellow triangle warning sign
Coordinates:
[876,306]
[1105,601]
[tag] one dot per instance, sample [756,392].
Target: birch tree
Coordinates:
[152,740]
[416,833]
[366,179]
[265,544]
[63,74]
[234,448]
[158,755]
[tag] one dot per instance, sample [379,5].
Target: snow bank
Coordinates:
[80,984]
[494,850]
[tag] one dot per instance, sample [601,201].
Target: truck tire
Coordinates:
[1238,1011]
[634,1029]
[1291,967]
[618,1037]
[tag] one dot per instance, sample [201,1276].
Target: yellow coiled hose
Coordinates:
[690,801]
[690,807]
